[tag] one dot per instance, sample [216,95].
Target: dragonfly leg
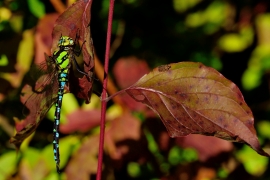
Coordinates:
[77,35]
[78,68]
[78,52]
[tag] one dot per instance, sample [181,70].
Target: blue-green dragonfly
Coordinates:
[51,90]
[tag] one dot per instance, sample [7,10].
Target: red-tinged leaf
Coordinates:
[191,98]
[122,128]
[81,120]
[84,161]
[85,83]
[26,130]
[210,147]
[118,132]
[129,70]
[43,36]
[68,23]
[132,104]
[76,19]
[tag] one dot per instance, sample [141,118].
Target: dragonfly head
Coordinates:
[65,41]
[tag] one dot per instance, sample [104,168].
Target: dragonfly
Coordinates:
[51,87]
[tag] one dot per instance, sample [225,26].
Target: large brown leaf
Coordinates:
[76,20]
[191,98]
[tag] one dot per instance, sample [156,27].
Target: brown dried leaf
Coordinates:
[38,105]
[77,19]
[43,36]
[191,98]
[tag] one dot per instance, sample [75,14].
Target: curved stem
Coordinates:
[111,87]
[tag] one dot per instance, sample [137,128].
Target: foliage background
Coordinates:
[232,37]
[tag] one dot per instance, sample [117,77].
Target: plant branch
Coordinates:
[111,87]
[104,93]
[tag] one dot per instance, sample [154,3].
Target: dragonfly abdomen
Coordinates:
[62,79]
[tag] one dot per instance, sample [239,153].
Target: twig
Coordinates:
[111,87]
[58,5]
[119,37]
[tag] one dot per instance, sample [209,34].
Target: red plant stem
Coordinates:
[104,93]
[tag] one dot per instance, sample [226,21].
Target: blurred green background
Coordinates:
[230,36]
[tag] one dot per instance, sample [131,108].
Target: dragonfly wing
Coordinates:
[38,99]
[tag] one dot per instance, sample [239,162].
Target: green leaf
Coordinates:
[264,128]
[26,50]
[253,163]
[7,164]
[190,154]
[207,59]
[195,19]
[251,78]
[236,42]
[181,6]
[67,146]
[134,169]
[212,18]
[174,156]
[232,43]
[36,7]
[69,105]
[152,145]
[32,155]
[3,60]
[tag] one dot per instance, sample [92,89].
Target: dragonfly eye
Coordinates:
[61,41]
[65,41]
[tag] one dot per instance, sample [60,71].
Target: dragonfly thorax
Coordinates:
[62,56]
[63,60]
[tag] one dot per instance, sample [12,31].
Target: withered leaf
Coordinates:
[191,98]
[38,103]
[72,22]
